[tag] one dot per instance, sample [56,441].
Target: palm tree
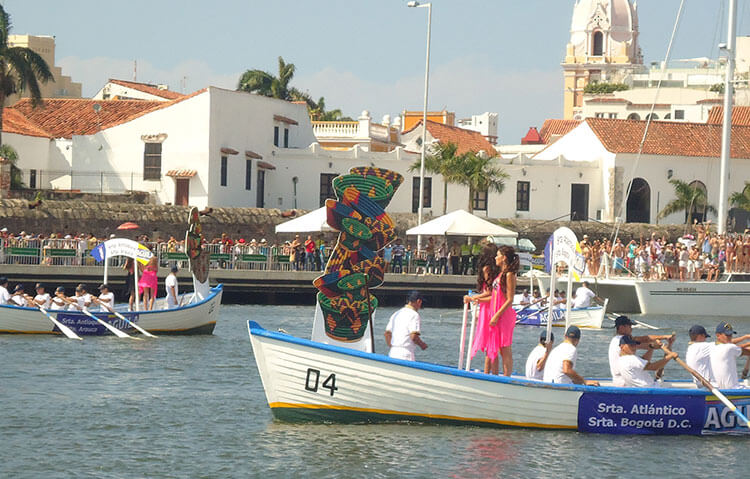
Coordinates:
[16,178]
[441,161]
[318,112]
[21,68]
[689,197]
[264,83]
[475,170]
[741,199]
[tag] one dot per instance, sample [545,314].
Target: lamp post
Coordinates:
[414,4]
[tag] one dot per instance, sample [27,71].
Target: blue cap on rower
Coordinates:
[60,289]
[628,339]
[623,321]
[3,280]
[725,328]
[19,287]
[697,330]
[573,332]
[414,296]
[543,336]
[39,285]
[174,269]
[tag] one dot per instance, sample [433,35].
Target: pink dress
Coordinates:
[507,320]
[486,338]
[148,280]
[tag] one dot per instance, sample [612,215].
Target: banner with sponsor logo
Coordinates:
[721,420]
[121,247]
[84,325]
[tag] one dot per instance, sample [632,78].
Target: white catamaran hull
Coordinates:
[695,298]
[193,318]
[310,381]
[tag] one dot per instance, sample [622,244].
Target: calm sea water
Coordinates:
[179,407]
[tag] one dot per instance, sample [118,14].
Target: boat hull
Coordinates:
[695,298]
[590,318]
[196,318]
[308,381]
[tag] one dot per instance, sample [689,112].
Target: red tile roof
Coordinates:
[740,115]
[668,138]
[285,119]
[15,122]
[182,173]
[557,128]
[148,88]
[252,154]
[532,137]
[466,140]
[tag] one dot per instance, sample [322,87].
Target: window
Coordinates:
[326,187]
[599,115]
[275,136]
[679,114]
[32,179]
[612,115]
[286,137]
[248,174]
[223,171]
[523,191]
[598,44]
[479,201]
[427,201]
[152,161]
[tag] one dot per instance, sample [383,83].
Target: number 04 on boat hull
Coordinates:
[310,381]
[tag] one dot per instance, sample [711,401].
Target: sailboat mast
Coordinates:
[726,134]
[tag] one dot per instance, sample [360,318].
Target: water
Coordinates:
[178,407]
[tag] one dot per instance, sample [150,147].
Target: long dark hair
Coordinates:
[486,258]
[512,264]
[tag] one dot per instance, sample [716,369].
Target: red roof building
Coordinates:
[466,140]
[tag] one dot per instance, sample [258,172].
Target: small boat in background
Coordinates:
[591,317]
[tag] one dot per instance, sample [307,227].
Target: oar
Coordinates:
[115,331]
[709,386]
[530,305]
[140,329]
[65,330]
[613,316]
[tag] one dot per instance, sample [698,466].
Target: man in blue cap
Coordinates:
[698,354]
[633,368]
[403,333]
[537,359]
[624,327]
[561,363]
[724,356]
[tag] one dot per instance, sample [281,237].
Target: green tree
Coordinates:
[475,170]
[442,161]
[21,68]
[266,84]
[16,178]
[741,199]
[595,88]
[717,87]
[688,198]
[318,112]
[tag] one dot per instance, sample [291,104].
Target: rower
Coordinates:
[538,357]
[58,300]
[561,363]
[4,294]
[584,295]
[624,326]
[698,354]
[18,298]
[724,355]
[525,298]
[42,298]
[82,299]
[633,368]
[106,299]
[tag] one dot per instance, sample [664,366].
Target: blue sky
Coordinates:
[487,55]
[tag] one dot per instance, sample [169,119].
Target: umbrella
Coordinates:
[461,223]
[312,222]
[128,226]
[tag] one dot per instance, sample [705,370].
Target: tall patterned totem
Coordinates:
[356,264]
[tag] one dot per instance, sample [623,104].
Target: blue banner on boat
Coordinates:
[641,413]
[720,419]
[84,325]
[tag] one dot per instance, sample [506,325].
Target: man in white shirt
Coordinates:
[170,283]
[724,356]
[59,300]
[4,294]
[623,327]
[584,295]
[538,357]
[561,363]
[82,299]
[18,298]
[106,299]
[698,354]
[633,368]
[42,298]
[525,298]
[403,334]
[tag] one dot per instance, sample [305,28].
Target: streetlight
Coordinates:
[414,4]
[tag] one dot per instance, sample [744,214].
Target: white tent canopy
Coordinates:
[461,223]
[312,222]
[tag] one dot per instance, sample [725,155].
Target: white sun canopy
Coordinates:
[461,223]
[312,222]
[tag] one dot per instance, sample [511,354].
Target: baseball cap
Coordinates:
[414,296]
[174,269]
[623,321]
[19,287]
[38,285]
[3,280]
[725,328]
[103,286]
[628,339]
[543,336]
[60,289]
[81,287]
[573,332]
[698,329]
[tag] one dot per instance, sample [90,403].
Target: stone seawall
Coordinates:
[102,219]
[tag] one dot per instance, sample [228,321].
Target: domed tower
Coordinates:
[603,47]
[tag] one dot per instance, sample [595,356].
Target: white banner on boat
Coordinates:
[319,334]
[122,247]
[566,249]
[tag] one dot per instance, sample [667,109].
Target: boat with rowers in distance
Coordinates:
[590,318]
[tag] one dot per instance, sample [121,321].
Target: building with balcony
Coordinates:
[368,135]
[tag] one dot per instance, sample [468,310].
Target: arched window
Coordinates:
[698,205]
[639,202]
[668,116]
[598,49]
[652,117]
[634,116]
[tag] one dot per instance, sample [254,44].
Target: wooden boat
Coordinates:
[590,318]
[194,317]
[310,381]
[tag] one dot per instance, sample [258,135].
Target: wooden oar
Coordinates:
[531,304]
[64,329]
[140,329]
[709,386]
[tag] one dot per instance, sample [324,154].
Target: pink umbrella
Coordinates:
[128,226]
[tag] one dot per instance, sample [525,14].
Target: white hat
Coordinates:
[68,237]
[112,235]
[4,230]
[263,240]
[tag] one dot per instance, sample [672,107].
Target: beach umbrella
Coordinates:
[128,226]
[313,222]
[461,223]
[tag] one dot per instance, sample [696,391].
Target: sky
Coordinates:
[486,55]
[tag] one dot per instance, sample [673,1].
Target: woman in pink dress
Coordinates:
[485,338]
[148,283]
[503,315]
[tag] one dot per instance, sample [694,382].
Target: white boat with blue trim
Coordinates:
[589,318]
[311,381]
